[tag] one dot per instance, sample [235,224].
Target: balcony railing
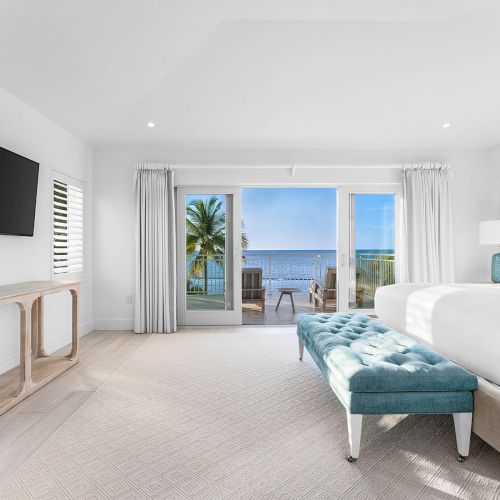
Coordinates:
[376,270]
[205,274]
[289,270]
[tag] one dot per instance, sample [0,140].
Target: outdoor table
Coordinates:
[287,291]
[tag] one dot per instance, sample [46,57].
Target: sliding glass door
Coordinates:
[210,262]
[209,256]
[368,243]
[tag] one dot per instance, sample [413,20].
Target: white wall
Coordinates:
[28,133]
[474,201]
[494,158]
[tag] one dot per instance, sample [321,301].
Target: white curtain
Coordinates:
[427,224]
[155,283]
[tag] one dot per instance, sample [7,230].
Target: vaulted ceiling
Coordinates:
[259,73]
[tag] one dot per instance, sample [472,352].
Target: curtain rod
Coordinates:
[239,166]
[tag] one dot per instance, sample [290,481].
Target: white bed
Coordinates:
[461,322]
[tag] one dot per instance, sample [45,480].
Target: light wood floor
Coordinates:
[29,424]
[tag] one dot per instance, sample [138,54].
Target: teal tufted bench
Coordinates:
[375,370]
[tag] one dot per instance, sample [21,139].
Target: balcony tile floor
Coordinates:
[252,314]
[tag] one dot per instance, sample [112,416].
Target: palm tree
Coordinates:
[206,234]
[244,237]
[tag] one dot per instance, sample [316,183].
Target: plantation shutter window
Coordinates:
[67,249]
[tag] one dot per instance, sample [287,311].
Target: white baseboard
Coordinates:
[113,324]
[86,327]
[52,343]
[9,363]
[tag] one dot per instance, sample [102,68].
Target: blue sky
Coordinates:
[374,215]
[305,219]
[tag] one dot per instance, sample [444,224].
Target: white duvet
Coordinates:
[461,322]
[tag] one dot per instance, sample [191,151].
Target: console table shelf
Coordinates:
[36,368]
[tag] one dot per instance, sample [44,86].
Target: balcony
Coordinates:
[206,283]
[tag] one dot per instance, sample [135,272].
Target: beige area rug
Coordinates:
[209,416]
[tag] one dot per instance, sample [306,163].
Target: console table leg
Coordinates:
[40,352]
[25,382]
[37,330]
[34,329]
[74,325]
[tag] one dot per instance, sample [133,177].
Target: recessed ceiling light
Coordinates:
[446,125]
[151,124]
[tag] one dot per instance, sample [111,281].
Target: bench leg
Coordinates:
[301,350]
[463,426]
[354,424]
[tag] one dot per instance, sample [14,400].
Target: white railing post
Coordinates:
[269,279]
[315,277]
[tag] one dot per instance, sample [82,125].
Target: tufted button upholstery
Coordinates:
[364,355]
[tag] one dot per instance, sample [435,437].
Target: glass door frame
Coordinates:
[345,217]
[189,317]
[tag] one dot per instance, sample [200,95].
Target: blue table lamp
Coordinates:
[489,234]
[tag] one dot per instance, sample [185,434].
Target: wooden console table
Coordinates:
[36,368]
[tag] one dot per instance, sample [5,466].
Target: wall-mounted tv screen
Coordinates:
[18,186]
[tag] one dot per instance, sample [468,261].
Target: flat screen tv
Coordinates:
[18,186]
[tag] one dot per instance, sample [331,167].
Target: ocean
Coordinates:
[330,254]
[281,268]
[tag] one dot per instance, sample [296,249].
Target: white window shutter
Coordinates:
[67,240]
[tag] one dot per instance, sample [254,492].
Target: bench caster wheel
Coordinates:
[300,359]
[351,459]
[461,458]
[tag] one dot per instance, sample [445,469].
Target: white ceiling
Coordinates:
[259,73]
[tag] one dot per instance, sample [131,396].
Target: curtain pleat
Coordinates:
[428,230]
[155,303]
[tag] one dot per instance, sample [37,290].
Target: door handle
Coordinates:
[342,260]
[238,257]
